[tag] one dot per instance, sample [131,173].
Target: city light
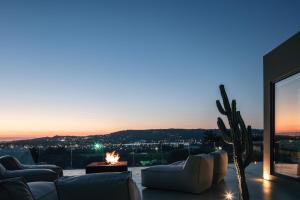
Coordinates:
[98,146]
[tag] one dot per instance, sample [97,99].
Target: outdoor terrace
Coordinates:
[258,188]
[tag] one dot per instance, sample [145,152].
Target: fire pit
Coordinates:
[112,164]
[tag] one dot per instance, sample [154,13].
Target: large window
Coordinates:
[287,127]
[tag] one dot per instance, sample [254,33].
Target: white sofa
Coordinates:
[30,175]
[112,186]
[12,164]
[194,175]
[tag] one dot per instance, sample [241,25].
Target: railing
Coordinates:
[75,156]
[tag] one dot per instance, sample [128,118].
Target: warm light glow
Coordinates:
[228,195]
[266,176]
[267,188]
[112,158]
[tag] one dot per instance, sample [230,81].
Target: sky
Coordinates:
[94,67]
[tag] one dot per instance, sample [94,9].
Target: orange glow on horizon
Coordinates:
[287,117]
[21,134]
[4,135]
[32,124]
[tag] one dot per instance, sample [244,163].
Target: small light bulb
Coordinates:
[228,196]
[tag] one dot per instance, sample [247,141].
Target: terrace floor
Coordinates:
[259,188]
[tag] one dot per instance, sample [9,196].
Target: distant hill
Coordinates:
[131,136]
[161,134]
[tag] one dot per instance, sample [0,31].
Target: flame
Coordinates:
[112,158]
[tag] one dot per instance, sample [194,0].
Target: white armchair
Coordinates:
[30,175]
[195,175]
[13,164]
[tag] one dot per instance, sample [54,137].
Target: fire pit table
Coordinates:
[99,167]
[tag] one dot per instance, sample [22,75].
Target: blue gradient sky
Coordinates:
[69,67]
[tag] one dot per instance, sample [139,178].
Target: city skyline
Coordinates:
[80,68]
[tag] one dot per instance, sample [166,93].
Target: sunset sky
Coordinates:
[78,68]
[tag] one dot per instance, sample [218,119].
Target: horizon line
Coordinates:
[7,139]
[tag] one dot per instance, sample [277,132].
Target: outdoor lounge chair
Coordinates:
[195,175]
[11,163]
[30,175]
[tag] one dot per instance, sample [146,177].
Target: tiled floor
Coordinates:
[258,187]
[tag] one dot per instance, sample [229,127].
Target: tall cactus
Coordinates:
[239,137]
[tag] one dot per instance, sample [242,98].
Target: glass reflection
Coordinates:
[287,127]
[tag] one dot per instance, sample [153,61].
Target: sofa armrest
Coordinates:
[181,162]
[10,162]
[165,168]
[54,168]
[32,175]
[112,186]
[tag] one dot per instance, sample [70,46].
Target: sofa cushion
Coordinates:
[220,165]
[194,175]
[32,175]
[15,189]
[112,186]
[54,168]
[43,190]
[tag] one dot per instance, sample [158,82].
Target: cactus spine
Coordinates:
[239,137]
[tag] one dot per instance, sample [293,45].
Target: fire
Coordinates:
[112,158]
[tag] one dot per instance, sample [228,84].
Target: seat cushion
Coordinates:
[15,189]
[32,175]
[171,177]
[112,186]
[54,168]
[43,190]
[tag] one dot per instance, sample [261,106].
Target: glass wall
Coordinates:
[287,127]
